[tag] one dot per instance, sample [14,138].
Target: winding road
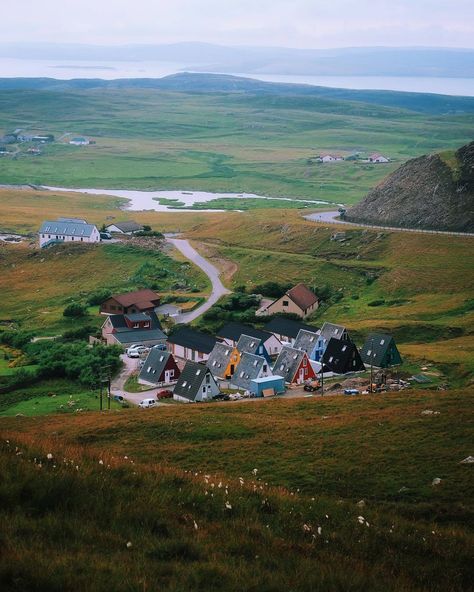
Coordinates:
[218,288]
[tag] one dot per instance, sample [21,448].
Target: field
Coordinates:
[314,495]
[217,142]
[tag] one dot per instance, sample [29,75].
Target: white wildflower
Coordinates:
[228,506]
[129,545]
[49,456]
[307,528]
[195,525]
[320,531]
[255,471]
[101,462]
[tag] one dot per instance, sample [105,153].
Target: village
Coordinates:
[286,357]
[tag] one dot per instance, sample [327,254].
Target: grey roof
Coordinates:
[127,226]
[234,330]
[287,327]
[341,357]
[376,347]
[67,228]
[329,330]
[139,335]
[120,325]
[248,344]
[249,368]
[219,359]
[288,362]
[306,340]
[187,337]
[191,379]
[154,365]
[137,316]
[73,220]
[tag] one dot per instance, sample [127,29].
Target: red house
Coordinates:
[294,366]
[159,369]
[132,302]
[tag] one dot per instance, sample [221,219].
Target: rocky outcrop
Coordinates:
[434,192]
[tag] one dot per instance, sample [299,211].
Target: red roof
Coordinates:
[302,296]
[142,298]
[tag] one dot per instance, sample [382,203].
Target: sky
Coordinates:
[284,23]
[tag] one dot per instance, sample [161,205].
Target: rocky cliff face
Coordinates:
[434,192]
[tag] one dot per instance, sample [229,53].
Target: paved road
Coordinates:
[130,365]
[218,289]
[331,218]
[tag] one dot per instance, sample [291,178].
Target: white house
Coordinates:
[329,158]
[378,158]
[67,230]
[79,141]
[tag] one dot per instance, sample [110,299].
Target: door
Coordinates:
[301,376]
[167,376]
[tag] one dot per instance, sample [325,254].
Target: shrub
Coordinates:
[272,289]
[376,302]
[74,310]
[16,339]
[98,297]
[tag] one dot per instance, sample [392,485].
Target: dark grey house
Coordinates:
[380,350]
[341,357]
[159,369]
[250,367]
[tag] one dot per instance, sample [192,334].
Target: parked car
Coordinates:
[105,236]
[221,397]
[135,350]
[160,346]
[311,386]
[351,391]
[147,403]
[165,394]
[119,398]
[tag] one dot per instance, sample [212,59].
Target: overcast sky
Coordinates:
[288,23]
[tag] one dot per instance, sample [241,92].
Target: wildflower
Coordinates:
[101,462]
[255,471]
[228,506]
[129,545]
[320,530]
[361,519]
[241,482]
[307,528]
[220,484]
[195,525]
[49,456]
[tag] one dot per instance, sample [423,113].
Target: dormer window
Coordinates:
[198,372]
[162,358]
[344,347]
[255,363]
[382,341]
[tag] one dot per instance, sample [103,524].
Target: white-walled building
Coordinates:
[67,230]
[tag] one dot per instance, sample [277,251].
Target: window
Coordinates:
[135,325]
[265,368]
[295,356]
[382,341]
[198,372]
[255,363]
[369,352]
[171,373]
[311,339]
[149,369]
[304,361]
[331,359]
[214,363]
[227,352]
[185,383]
[285,302]
[241,375]
[282,366]
[146,325]
[344,347]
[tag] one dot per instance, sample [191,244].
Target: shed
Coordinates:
[260,386]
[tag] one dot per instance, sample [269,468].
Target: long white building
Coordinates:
[67,230]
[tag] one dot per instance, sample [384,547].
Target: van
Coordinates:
[147,403]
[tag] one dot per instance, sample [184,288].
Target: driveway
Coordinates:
[130,365]
[218,289]
[332,218]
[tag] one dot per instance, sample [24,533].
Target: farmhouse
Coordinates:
[307,341]
[125,329]
[329,158]
[131,302]
[341,357]
[189,344]
[300,300]
[286,330]
[231,333]
[195,384]
[128,227]
[293,364]
[223,360]
[380,350]
[329,331]
[378,158]
[67,230]
[159,369]
[249,368]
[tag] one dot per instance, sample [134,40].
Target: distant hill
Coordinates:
[206,57]
[222,83]
[432,192]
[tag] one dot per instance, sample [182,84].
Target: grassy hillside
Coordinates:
[262,495]
[152,139]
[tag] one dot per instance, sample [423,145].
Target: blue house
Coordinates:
[253,345]
[328,331]
[307,341]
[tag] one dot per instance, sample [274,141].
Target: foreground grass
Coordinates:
[179,485]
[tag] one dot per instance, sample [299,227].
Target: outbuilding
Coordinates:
[267,386]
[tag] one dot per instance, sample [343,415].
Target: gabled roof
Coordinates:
[119,324]
[57,227]
[302,296]
[248,344]
[234,330]
[192,339]
[287,327]
[248,368]
[138,335]
[376,347]
[127,226]
[306,340]
[219,359]
[137,317]
[341,357]
[191,379]
[139,296]
[329,330]
[288,362]
[154,365]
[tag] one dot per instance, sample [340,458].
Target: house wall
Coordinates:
[291,307]
[93,238]
[273,345]
[211,389]
[186,353]
[113,228]
[307,374]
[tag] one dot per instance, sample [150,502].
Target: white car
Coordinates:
[135,350]
[147,403]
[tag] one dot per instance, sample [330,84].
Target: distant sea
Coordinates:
[64,70]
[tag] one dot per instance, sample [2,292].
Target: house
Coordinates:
[328,331]
[67,230]
[223,360]
[125,329]
[267,386]
[380,350]
[79,141]
[189,344]
[231,333]
[329,158]
[159,369]
[293,364]
[341,357]
[300,300]
[195,384]
[251,345]
[128,227]
[286,330]
[307,341]
[249,368]
[378,158]
[145,300]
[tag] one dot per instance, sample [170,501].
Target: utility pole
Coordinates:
[372,367]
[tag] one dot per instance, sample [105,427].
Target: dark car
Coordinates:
[221,397]
[105,236]
[166,394]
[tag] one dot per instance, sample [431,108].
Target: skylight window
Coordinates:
[241,375]
[369,352]
[344,347]
[282,366]
[214,363]
[255,363]
[149,369]
[295,356]
[198,372]
[162,358]
[185,383]
[382,341]
[331,359]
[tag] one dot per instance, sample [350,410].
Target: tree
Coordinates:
[74,310]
